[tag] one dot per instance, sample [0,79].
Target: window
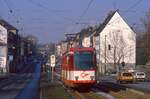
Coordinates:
[84,60]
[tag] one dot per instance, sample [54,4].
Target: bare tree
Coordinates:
[117,49]
[146,21]
[146,36]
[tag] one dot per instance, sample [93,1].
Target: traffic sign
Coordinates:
[53,60]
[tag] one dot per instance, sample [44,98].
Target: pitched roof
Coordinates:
[86,31]
[107,19]
[7,25]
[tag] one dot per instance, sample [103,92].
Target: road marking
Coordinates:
[79,95]
[108,96]
[93,94]
[136,91]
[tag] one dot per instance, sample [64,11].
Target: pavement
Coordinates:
[52,89]
[31,91]
[142,86]
[5,76]
[13,85]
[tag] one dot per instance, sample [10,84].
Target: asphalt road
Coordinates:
[143,86]
[13,85]
[30,84]
[31,91]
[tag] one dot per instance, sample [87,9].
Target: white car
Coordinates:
[140,76]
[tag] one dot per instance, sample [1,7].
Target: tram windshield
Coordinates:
[84,60]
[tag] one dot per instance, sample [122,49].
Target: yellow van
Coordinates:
[125,77]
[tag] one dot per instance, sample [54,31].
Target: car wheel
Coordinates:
[120,82]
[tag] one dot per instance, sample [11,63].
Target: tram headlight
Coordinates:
[92,77]
[76,77]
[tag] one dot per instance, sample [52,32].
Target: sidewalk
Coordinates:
[5,76]
[52,90]
[31,90]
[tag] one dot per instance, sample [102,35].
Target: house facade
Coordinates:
[13,46]
[114,41]
[64,46]
[3,50]
[117,44]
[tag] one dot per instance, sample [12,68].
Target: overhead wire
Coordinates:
[13,13]
[85,11]
[47,9]
[131,7]
[0,14]
[82,15]
[134,5]
[56,12]
[9,8]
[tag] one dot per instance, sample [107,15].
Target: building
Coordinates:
[117,44]
[64,47]
[85,37]
[114,41]
[96,45]
[3,49]
[13,46]
[58,49]
[71,40]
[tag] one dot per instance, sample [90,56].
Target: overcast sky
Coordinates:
[50,19]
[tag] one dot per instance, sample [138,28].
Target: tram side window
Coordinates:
[71,61]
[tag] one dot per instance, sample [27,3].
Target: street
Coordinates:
[32,83]
[107,88]
[74,49]
[13,85]
[141,85]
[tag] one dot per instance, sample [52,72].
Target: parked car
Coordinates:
[125,77]
[139,76]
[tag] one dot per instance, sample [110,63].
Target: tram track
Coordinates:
[18,78]
[13,85]
[85,95]
[79,93]
[107,90]
[120,91]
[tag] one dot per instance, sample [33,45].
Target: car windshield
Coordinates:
[84,60]
[140,74]
[127,74]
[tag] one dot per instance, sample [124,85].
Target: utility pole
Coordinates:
[115,64]
[53,63]
[105,56]
[99,55]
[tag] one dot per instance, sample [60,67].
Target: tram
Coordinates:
[78,67]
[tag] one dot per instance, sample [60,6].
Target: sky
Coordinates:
[49,20]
